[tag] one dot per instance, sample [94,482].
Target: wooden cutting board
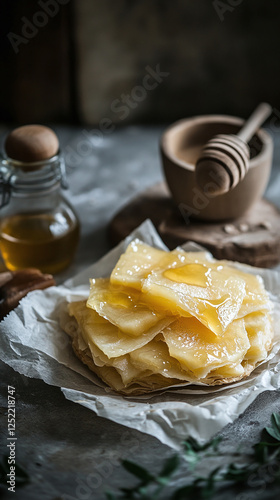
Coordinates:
[253,238]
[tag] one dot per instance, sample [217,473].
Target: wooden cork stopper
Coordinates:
[31,143]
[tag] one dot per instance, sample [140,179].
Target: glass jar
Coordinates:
[38,227]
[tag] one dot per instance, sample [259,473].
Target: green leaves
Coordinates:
[266,453]
[191,456]
[138,471]
[193,450]
[110,496]
[274,430]
[209,486]
[237,473]
[170,466]
[268,450]
[150,486]
[197,447]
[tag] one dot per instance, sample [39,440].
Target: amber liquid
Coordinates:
[45,241]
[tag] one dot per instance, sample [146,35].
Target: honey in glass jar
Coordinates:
[38,227]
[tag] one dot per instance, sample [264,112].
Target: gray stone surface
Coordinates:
[68,451]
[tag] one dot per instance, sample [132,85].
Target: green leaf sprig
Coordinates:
[264,456]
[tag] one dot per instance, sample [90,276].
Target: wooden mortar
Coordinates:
[181,146]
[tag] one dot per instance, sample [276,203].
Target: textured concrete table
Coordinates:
[68,452]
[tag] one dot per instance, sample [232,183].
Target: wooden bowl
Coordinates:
[180,148]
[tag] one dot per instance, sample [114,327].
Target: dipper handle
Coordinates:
[225,158]
[253,123]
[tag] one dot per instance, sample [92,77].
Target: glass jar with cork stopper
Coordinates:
[38,227]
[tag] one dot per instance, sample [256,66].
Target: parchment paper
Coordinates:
[33,343]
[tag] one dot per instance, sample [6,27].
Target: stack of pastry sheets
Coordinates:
[169,319]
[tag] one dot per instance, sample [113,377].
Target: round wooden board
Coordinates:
[253,238]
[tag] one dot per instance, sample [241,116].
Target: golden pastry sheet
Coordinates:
[166,319]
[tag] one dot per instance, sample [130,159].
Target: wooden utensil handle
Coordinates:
[253,123]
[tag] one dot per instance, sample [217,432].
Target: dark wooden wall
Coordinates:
[221,56]
[36,81]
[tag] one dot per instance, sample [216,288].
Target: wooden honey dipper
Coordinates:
[224,160]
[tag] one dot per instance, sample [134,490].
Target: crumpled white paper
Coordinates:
[33,343]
